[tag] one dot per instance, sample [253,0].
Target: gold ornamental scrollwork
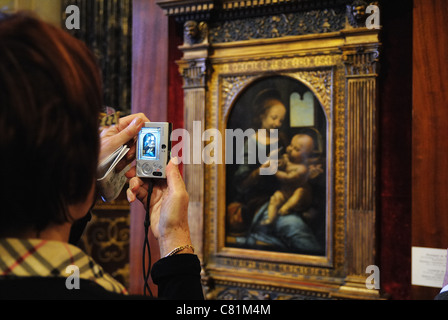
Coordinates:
[231,85]
[286,62]
[109,238]
[320,79]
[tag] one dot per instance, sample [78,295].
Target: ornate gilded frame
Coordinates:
[338,62]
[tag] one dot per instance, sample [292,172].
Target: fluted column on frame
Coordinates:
[361,103]
[193,68]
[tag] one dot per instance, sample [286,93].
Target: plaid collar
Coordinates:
[44,258]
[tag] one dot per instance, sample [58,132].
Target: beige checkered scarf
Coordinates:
[37,257]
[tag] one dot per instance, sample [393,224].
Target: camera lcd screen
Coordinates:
[149,140]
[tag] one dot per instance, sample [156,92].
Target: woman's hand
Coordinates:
[168,207]
[125,132]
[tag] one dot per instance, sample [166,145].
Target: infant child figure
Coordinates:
[294,194]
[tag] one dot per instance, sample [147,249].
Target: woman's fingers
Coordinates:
[137,190]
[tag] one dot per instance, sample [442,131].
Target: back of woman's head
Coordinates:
[50,97]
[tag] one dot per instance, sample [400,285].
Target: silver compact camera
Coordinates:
[153,149]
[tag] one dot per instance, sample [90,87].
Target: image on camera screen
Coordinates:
[150,140]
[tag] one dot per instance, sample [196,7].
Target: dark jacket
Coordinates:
[178,278]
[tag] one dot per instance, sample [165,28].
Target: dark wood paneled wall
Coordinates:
[429,130]
[149,95]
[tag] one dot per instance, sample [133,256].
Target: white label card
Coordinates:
[428,266]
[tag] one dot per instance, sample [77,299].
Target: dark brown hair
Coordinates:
[50,98]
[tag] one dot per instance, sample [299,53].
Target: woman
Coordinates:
[50,98]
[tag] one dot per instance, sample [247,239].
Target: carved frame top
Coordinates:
[184,10]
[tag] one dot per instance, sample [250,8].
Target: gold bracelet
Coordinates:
[178,249]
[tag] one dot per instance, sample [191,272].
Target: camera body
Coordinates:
[153,149]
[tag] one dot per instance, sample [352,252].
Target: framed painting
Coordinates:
[295,94]
[286,210]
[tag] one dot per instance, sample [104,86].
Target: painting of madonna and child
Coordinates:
[283,211]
